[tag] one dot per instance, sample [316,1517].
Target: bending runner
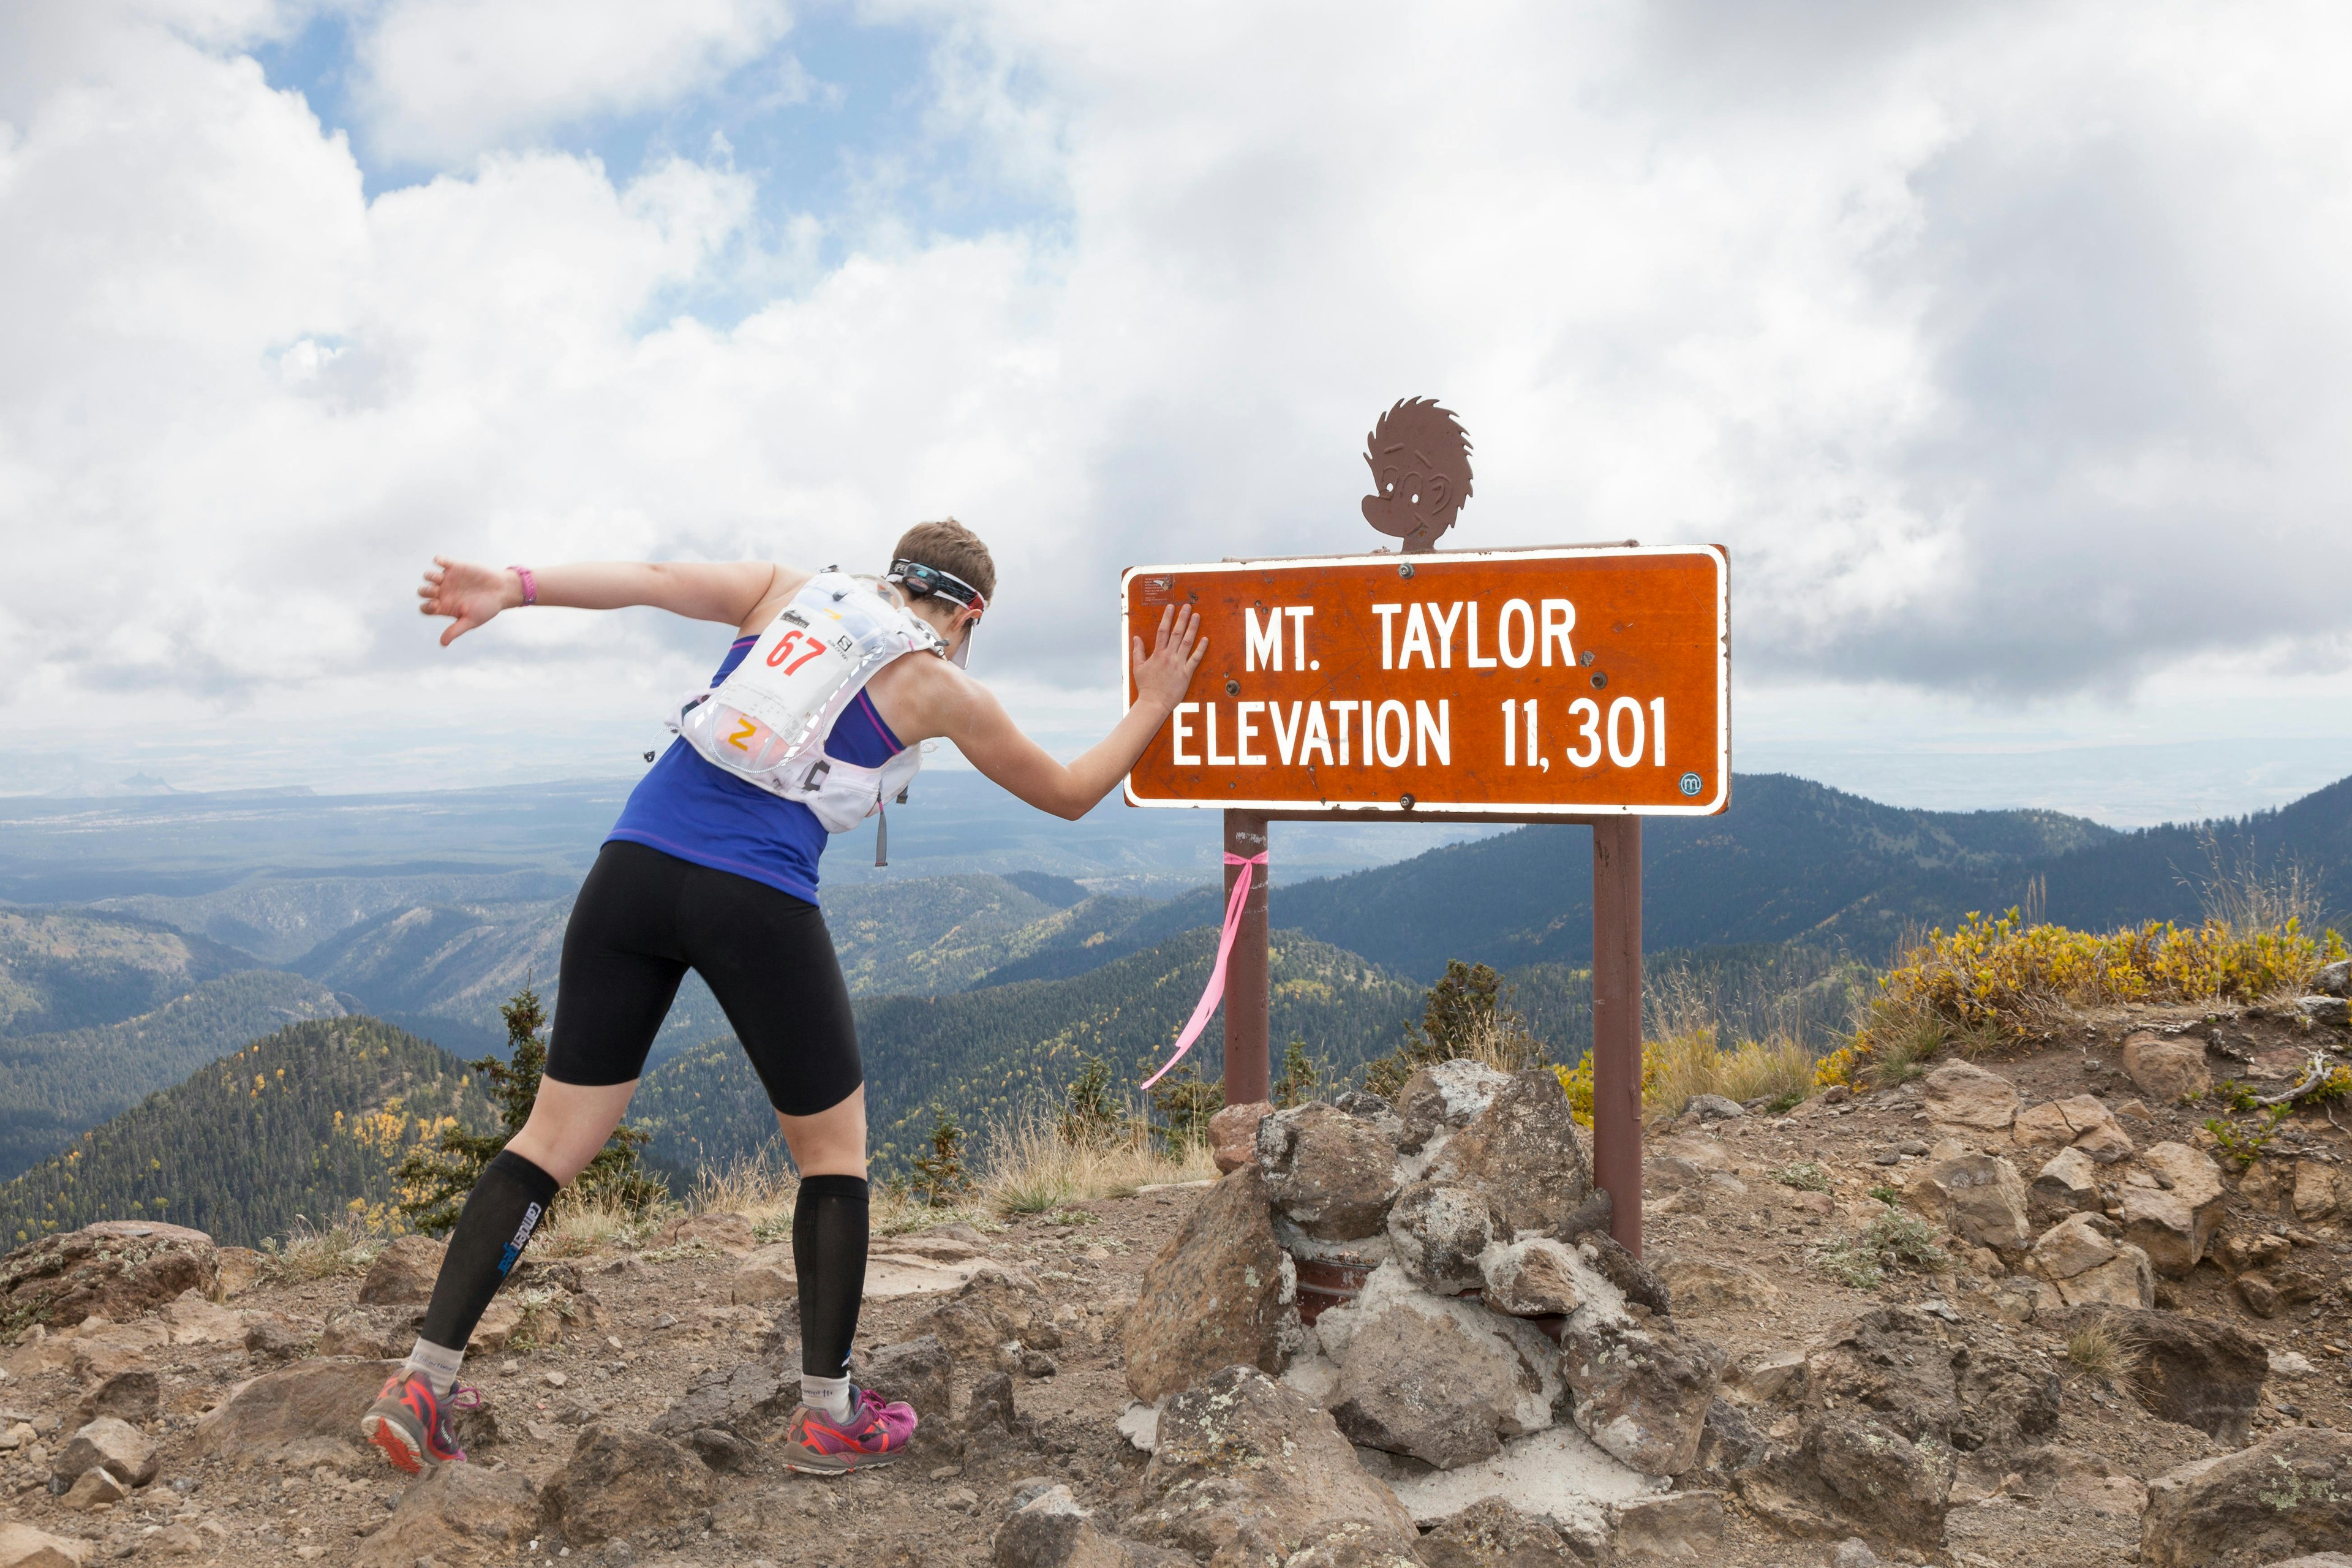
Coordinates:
[815,717]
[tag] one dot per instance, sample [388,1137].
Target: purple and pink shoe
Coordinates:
[816,1444]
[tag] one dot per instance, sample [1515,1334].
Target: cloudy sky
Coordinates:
[2001,343]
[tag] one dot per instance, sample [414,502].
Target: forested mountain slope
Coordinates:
[306,1121]
[70,969]
[1794,859]
[1791,859]
[53,1087]
[442,970]
[2161,873]
[983,1054]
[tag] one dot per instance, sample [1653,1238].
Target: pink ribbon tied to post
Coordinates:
[1215,990]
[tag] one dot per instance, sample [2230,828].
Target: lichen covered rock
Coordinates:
[1215,1295]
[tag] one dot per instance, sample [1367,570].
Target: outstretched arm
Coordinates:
[981,728]
[726,591]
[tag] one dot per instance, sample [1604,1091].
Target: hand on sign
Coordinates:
[1162,674]
[467,594]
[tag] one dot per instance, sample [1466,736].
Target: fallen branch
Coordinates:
[2313,1076]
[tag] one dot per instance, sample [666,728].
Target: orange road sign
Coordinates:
[1569,681]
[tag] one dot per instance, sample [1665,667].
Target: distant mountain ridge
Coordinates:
[72,969]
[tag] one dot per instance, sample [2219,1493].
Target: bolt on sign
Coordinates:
[1567,682]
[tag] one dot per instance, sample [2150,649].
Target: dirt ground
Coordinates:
[664,1315]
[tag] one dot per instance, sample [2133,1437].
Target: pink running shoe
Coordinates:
[411,1423]
[816,1444]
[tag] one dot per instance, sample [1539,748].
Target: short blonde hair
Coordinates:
[948,546]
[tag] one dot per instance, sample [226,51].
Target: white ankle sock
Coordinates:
[438,1365]
[830,1395]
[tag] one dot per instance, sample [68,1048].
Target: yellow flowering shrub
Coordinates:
[2003,975]
[1577,1081]
[1836,1068]
[1691,1063]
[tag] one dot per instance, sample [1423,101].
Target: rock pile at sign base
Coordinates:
[1492,1306]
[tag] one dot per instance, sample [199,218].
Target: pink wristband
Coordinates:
[529,583]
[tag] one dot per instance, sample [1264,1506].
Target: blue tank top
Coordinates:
[689,807]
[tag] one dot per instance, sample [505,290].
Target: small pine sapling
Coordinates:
[1185,1101]
[1299,1077]
[939,1176]
[434,1181]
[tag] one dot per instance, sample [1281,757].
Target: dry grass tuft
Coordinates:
[1031,1168]
[1684,1058]
[581,1226]
[309,1251]
[2105,1352]
[763,1191]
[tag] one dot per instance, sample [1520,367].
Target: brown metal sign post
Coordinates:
[1583,684]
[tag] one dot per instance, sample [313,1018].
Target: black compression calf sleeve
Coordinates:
[829,1258]
[505,1206]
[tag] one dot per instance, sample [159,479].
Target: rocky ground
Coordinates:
[1507,1389]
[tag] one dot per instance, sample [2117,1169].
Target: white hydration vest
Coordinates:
[769,720]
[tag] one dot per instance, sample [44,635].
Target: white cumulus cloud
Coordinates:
[443,80]
[1999,343]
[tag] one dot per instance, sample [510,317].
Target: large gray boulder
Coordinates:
[1216,1294]
[1642,1389]
[2290,1493]
[1442,1097]
[1052,1529]
[306,1414]
[2173,1203]
[116,1268]
[1979,1198]
[1531,1278]
[619,1482]
[2194,1371]
[1438,1233]
[457,1516]
[1333,1175]
[1524,1154]
[1962,1094]
[1439,1378]
[1248,1470]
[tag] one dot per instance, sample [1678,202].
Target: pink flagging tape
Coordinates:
[1215,990]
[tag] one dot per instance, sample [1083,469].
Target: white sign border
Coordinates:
[1714,552]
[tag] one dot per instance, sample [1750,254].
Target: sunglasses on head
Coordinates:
[922,581]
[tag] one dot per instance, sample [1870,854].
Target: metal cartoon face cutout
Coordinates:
[1420,459]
